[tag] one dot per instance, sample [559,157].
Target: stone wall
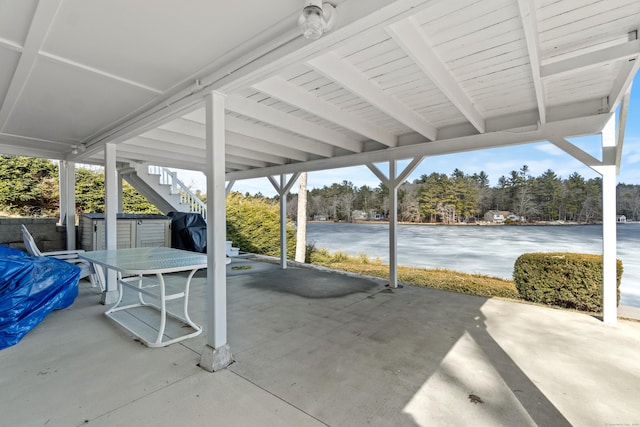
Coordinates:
[48,235]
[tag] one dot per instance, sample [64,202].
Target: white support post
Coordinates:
[393,225]
[216,354]
[62,184]
[393,182]
[120,180]
[282,188]
[110,294]
[67,185]
[283,224]
[609,238]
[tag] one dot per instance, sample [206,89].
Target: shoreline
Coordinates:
[463,224]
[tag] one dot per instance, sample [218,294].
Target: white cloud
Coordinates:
[631,151]
[549,149]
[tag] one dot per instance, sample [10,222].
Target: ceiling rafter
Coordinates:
[629,50]
[530,28]
[258,111]
[155,143]
[141,152]
[251,136]
[271,135]
[235,145]
[190,164]
[233,166]
[622,83]
[143,146]
[412,40]
[258,146]
[263,147]
[241,160]
[43,18]
[349,77]
[175,138]
[278,88]
[248,153]
[186,127]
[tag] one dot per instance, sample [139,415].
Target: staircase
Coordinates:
[162,188]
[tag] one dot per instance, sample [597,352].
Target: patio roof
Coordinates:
[393,80]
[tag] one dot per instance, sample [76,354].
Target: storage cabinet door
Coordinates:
[152,233]
[125,234]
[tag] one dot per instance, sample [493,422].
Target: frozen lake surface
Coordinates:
[490,250]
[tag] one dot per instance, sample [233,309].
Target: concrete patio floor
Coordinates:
[319,348]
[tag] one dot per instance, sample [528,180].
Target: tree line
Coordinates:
[461,197]
[29,186]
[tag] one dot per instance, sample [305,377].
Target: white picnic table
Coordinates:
[142,270]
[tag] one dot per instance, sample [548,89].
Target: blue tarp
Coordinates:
[30,288]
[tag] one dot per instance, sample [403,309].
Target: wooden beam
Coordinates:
[273,134]
[622,83]
[278,88]
[410,37]
[575,152]
[624,51]
[259,145]
[622,124]
[530,27]
[349,77]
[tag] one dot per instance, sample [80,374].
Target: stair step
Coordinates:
[232,250]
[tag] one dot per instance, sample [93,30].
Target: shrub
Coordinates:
[568,280]
[253,225]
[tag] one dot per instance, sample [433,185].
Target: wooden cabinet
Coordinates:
[133,231]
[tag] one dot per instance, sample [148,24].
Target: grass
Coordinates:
[474,284]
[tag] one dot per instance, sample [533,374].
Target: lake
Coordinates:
[490,250]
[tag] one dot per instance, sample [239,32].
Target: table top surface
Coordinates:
[147,260]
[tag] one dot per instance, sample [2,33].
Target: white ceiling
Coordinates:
[393,80]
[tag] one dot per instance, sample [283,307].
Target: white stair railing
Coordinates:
[187,197]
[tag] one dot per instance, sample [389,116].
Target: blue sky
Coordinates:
[495,162]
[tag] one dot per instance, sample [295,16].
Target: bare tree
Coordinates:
[301,233]
[346,205]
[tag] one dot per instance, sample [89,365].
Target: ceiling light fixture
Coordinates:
[316,19]
[74,149]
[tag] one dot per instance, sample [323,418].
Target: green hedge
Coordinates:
[253,225]
[564,279]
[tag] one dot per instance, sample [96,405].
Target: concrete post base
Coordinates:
[216,359]
[109,297]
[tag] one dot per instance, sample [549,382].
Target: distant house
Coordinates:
[621,218]
[515,218]
[496,216]
[359,215]
[319,218]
